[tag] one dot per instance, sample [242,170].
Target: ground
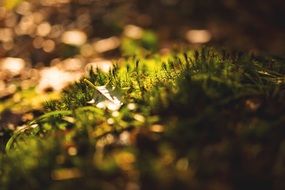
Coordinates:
[202,119]
[122,108]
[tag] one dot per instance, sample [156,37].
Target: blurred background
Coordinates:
[39,30]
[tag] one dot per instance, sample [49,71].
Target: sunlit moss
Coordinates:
[182,119]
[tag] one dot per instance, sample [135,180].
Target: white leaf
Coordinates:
[111,102]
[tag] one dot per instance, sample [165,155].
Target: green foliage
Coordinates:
[147,43]
[198,116]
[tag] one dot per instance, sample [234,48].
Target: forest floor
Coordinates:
[183,120]
[100,104]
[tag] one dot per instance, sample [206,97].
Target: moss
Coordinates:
[203,119]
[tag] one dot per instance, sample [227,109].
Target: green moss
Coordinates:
[183,123]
